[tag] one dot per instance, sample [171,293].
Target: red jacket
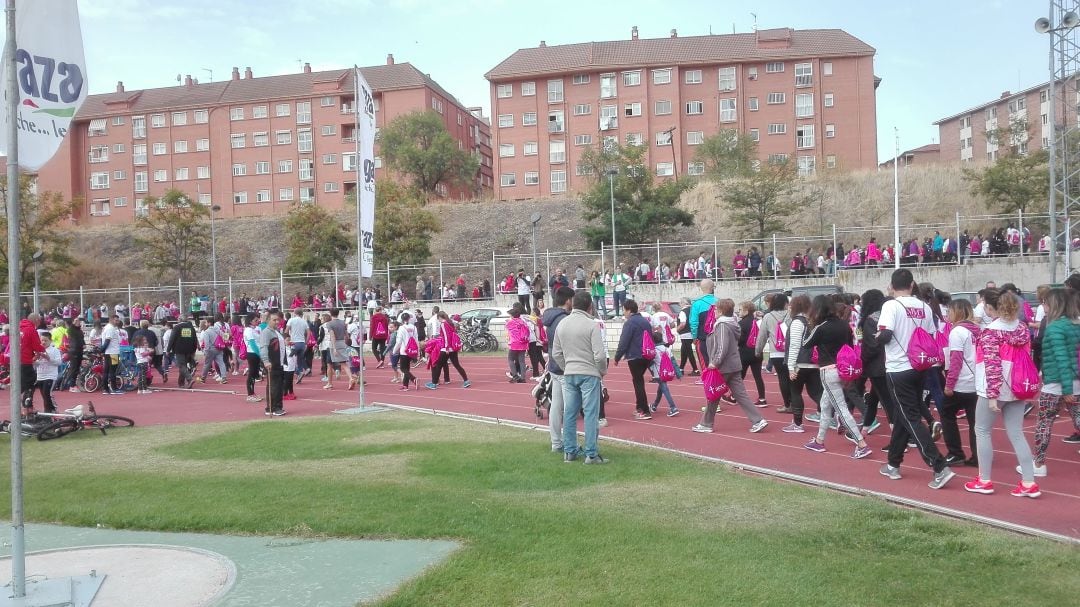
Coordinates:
[29,342]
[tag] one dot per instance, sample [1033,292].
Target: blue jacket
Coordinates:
[701,304]
[551,319]
[630,340]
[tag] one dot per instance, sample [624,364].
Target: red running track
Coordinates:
[1056,512]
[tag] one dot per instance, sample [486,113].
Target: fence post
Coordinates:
[1021,212]
[547,263]
[441,283]
[494,278]
[602,269]
[180,297]
[281,283]
[776,260]
[388,286]
[715,257]
[657,261]
[229,306]
[129,301]
[959,249]
[835,264]
[337,304]
[82,301]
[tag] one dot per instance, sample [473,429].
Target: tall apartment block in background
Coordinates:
[253,146]
[803,95]
[964,138]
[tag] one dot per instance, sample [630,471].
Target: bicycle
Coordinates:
[77,418]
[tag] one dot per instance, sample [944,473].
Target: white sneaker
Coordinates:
[1039,470]
[758,427]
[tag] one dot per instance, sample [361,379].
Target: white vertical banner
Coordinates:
[51,76]
[365,171]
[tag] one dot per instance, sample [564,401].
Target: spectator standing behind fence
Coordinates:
[524,287]
[598,292]
[620,284]
[579,279]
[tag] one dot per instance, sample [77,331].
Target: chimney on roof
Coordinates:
[543,44]
[389,59]
[674,33]
[1006,94]
[633,33]
[235,73]
[307,68]
[119,86]
[187,80]
[247,73]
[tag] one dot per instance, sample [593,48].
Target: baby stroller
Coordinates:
[542,394]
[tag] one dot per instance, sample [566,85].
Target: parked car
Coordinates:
[809,291]
[486,316]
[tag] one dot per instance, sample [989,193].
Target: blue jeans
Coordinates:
[600,306]
[618,298]
[581,393]
[298,350]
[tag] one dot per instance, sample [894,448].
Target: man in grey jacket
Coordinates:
[552,318]
[578,349]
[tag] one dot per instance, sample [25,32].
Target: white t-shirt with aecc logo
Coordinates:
[901,316]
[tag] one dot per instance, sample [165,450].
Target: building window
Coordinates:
[581,79]
[532,178]
[727,110]
[609,142]
[752,104]
[329,159]
[662,108]
[161,175]
[262,167]
[807,165]
[727,78]
[99,181]
[826,68]
[180,147]
[120,201]
[1045,118]
[504,91]
[1043,96]
[830,131]
[138,127]
[141,183]
[238,140]
[529,148]
[97,127]
[804,136]
[262,196]
[285,194]
[631,78]
[508,180]
[327,102]
[694,107]
[1017,105]
[160,149]
[661,76]
[582,139]
[556,152]
[777,158]
[528,119]
[157,121]
[828,99]
[558,182]
[695,168]
[692,77]
[307,194]
[555,121]
[303,112]
[965,122]
[179,118]
[284,166]
[282,109]
[555,91]
[506,150]
[663,138]
[694,137]
[608,88]
[830,161]
[328,129]
[755,134]
[506,121]
[202,172]
[330,187]
[804,105]
[201,116]
[777,128]
[582,109]
[119,175]
[528,89]
[202,145]
[138,153]
[751,73]
[181,174]
[665,169]
[99,153]
[774,67]
[775,98]
[260,139]
[236,113]
[119,120]
[239,197]
[307,169]
[303,140]
[239,169]
[804,74]
[632,109]
[348,162]
[99,206]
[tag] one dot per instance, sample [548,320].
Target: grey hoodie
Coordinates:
[578,346]
[724,345]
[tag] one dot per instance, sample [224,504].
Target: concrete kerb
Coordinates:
[771,472]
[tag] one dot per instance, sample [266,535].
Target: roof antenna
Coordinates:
[754,15]
[206,69]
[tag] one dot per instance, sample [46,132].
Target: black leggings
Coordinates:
[783,379]
[536,358]
[45,386]
[811,379]
[443,365]
[686,353]
[405,364]
[254,368]
[754,365]
[378,348]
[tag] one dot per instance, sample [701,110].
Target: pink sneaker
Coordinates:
[1022,491]
[980,486]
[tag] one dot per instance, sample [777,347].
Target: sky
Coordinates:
[936,58]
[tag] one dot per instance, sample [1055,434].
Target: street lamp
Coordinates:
[1043,25]
[535,223]
[213,250]
[611,173]
[36,258]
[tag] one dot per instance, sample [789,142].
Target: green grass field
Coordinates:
[648,529]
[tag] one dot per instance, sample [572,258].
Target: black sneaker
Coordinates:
[1072,439]
[569,458]
[954,460]
[596,460]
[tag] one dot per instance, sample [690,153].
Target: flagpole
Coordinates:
[359,230]
[18,545]
[896,201]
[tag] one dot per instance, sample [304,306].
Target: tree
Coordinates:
[172,235]
[418,146]
[1017,181]
[315,242]
[761,202]
[40,217]
[644,210]
[403,227]
[727,154]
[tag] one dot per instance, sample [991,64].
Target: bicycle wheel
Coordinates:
[91,382]
[111,422]
[58,429]
[492,343]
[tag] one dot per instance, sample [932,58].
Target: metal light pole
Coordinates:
[36,258]
[614,249]
[213,251]
[896,202]
[536,217]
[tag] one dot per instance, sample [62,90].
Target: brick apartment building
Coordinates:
[253,146]
[963,136]
[923,155]
[807,95]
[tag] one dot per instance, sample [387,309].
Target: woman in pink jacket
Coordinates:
[873,253]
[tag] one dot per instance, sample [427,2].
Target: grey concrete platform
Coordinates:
[190,569]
